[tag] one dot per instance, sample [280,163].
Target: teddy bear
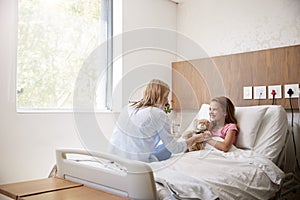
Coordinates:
[200,127]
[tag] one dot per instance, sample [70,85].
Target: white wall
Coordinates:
[234,26]
[28,141]
[147,54]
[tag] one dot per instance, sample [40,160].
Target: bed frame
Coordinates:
[135,179]
[106,172]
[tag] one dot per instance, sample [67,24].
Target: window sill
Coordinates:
[60,111]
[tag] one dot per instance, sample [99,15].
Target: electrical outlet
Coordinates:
[247,92]
[260,92]
[277,89]
[294,87]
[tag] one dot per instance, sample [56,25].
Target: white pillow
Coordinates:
[271,137]
[249,120]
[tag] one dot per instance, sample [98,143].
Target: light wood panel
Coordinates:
[197,81]
[27,188]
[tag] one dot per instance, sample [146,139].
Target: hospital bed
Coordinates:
[106,172]
[250,170]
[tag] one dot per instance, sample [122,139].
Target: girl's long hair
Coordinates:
[154,94]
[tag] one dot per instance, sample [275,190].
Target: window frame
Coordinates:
[109,70]
[109,65]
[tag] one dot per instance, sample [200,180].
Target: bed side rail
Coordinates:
[129,178]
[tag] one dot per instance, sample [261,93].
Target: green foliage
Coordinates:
[54,39]
[168,108]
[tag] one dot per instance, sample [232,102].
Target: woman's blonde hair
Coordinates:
[154,94]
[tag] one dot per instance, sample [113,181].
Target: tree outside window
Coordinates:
[55,37]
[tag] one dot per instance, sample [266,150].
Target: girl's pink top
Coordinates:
[222,132]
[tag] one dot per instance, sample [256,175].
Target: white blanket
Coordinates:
[210,173]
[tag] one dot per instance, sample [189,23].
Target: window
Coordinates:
[55,39]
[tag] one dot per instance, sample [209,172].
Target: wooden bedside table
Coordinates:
[19,189]
[53,188]
[77,193]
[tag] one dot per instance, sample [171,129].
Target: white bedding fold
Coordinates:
[209,173]
[187,186]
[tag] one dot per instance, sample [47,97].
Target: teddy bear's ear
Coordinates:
[195,123]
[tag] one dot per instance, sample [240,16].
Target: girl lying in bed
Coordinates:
[224,124]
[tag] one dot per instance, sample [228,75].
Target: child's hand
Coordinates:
[198,138]
[194,140]
[207,135]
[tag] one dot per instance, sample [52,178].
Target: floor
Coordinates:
[294,191]
[292,196]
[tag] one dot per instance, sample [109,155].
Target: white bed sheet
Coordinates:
[270,126]
[210,173]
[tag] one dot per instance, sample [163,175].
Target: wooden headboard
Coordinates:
[195,82]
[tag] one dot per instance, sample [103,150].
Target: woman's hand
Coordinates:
[187,134]
[198,138]
[194,139]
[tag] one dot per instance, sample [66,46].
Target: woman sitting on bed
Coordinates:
[143,125]
[224,123]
